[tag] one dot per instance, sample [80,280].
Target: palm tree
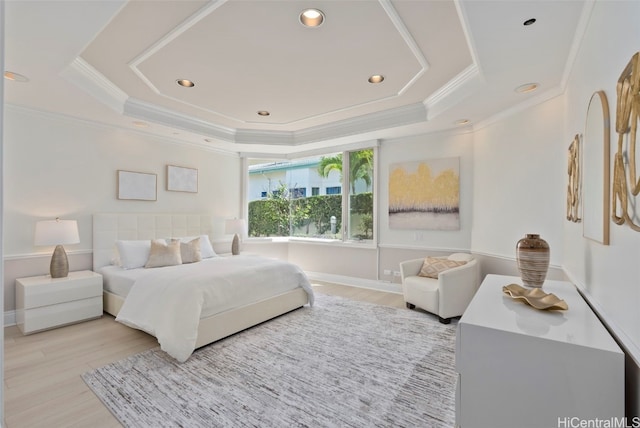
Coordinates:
[360,166]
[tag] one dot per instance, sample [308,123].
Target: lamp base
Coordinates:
[59,267]
[235,245]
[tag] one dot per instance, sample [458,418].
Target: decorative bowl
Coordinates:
[535,297]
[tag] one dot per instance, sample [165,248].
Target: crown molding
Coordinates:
[86,77]
[454,91]
[408,39]
[366,144]
[581,29]
[142,110]
[531,102]
[399,116]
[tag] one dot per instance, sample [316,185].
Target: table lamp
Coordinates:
[57,232]
[235,226]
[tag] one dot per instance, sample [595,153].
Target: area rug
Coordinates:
[340,363]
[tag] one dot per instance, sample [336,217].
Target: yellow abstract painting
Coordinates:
[425,194]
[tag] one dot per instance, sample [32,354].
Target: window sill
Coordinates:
[370,245]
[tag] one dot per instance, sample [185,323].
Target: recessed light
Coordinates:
[263,113]
[140,124]
[529,21]
[527,87]
[462,122]
[312,17]
[376,78]
[186,83]
[208,140]
[15,77]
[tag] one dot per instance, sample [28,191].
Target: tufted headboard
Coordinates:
[109,227]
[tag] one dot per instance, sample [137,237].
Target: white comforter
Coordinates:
[169,302]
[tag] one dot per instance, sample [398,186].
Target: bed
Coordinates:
[235,309]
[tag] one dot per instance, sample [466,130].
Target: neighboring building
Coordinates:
[300,176]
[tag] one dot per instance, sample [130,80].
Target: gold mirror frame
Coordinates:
[596,157]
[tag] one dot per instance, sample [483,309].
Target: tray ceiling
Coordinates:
[441,61]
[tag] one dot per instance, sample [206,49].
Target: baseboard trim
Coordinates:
[370,284]
[9,318]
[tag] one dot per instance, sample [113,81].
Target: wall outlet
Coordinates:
[387,271]
[396,273]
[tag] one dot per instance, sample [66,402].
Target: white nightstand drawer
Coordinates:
[40,291]
[43,302]
[45,317]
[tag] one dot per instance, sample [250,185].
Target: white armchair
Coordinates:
[447,296]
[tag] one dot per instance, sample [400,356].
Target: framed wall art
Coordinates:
[182,179]
[425,194]
[139,186]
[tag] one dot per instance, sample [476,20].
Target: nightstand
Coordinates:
[43,302]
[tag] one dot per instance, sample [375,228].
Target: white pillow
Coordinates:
[206,249]
[133,254]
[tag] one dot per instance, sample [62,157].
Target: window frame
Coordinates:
[345,192]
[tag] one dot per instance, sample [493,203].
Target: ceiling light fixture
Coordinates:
[529,21]
[140,124]
[186,83]
[15,77]
[263,113]
[527,87]
[312,17]
[376,78]
[208,140]
[462,122]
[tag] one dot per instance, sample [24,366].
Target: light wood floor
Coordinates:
[42,384]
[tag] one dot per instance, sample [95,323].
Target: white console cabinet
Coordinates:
[43,302]
[521,367]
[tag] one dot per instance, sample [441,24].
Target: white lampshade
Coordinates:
[56,232]
[235,225]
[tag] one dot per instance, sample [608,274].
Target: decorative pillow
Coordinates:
[432,266]
[206,249]
[164,253]
[190,251]
[133,254]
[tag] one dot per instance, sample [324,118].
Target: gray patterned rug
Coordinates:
[339,364]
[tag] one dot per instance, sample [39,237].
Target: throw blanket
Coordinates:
[169,302]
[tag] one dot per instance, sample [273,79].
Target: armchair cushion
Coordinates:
[432,266]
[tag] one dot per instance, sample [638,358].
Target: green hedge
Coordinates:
[270,217]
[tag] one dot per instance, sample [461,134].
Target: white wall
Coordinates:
[424,147]
[609,275]
[521,177]
[519,181]
[56,166]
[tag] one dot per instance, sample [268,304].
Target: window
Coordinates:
[298,192]
[345,212]
[360,210]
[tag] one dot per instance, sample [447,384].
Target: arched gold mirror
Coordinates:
[596,156]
